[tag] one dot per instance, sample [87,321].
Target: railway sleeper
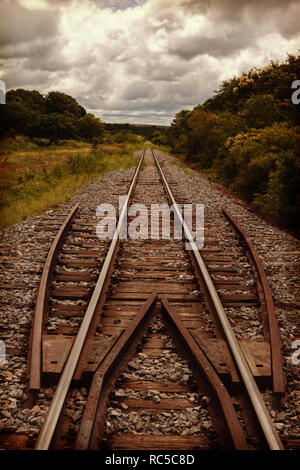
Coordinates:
[55,350]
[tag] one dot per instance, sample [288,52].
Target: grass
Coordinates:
[25,152]
[35,178]
[188,166]
[182,166]
[163,148]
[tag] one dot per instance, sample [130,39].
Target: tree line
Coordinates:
[123,131]
[53,116]
[247,136]
[58,116]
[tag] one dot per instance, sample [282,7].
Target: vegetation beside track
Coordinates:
[247,137]
[35,178]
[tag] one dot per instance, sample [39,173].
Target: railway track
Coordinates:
[140,323]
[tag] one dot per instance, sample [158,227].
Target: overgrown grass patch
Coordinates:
[163,148]
[182,167]
[38,183]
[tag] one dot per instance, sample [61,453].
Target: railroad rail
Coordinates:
[267,305]
[42,302]
[116,325]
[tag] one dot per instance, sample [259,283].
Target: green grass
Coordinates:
[182,166]
[35,180]
[25,152]
[160,147]
[188,167]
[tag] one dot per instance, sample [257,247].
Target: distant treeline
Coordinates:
[58,116]
[53,116]
[247,137]
[157,134]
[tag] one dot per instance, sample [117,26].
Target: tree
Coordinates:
[61,103]
[253,156]
[57,126]
[177,133]
[247,136]
[90,127]
[203,137]
[261,111]
[31,99]
[21,112]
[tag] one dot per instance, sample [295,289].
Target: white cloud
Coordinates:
[137,60]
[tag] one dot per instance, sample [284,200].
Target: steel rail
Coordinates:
[279,386]
[258,404]
[202,363]
[42,300]
[46,434]
[104,371]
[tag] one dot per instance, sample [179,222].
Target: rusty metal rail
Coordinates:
[259,406]
[54,412]
[203,364]
[278,376]
[42,302]
[89,433]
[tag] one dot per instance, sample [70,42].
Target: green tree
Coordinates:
[61,103]
[21,112]
[90,127]
[261,111]
[253,156]
[57,126]
[203,136]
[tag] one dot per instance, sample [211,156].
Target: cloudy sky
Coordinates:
[141,60]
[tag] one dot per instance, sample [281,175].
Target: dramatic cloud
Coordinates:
[20,25]
[141,60]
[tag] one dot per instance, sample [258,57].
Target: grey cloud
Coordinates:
[16,76]
[231,7]
[168,19]
[92,102]
[284,15]
[51,58]
[38,50]
[288,20]
[30,38]
[190,47]
[162,68]
[235,26]
[143,117]
[20,25]
[138,90]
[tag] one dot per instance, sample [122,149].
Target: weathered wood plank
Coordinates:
[150,442]
[141,385]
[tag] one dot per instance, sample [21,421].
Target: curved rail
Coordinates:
[88,436]
[42,302]
[234,427]
[54,412]
[275,342]
[259,406]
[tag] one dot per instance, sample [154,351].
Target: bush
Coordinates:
[262,166]
[281,200]
[246,136]
[261,111]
